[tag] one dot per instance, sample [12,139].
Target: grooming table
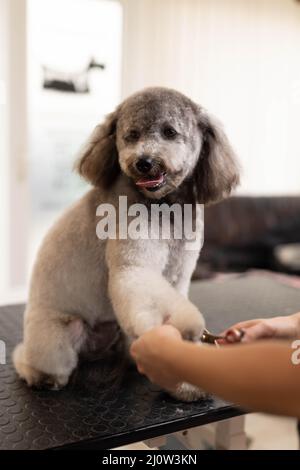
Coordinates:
[138,410]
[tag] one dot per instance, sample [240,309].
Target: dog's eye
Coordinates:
[132,136]
[169,132]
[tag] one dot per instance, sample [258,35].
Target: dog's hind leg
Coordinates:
[49,352]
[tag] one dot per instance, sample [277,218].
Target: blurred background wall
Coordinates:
[238,58]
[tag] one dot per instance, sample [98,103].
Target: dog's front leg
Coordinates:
[131,266]
[141,297]
[133,300]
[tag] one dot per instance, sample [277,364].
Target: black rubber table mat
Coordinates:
[137,410]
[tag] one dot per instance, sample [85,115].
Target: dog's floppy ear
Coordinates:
[99,162]
[217,170]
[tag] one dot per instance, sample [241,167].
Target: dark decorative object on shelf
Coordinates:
[69,82]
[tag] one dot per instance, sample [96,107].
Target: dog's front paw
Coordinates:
[189,321]
[188,393]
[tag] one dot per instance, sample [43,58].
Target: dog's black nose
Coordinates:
[144,164]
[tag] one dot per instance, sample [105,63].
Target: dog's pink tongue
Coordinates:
[150,182]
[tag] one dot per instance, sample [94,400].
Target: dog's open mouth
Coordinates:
[151,183]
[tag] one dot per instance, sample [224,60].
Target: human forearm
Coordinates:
[296,317]
[256,376]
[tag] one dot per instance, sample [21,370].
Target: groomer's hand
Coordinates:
[266,328]
[152,353]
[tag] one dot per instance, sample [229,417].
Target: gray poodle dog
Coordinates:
[158,146]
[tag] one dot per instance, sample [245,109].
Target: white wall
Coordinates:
[13,146]
[3,145]
[241,60]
